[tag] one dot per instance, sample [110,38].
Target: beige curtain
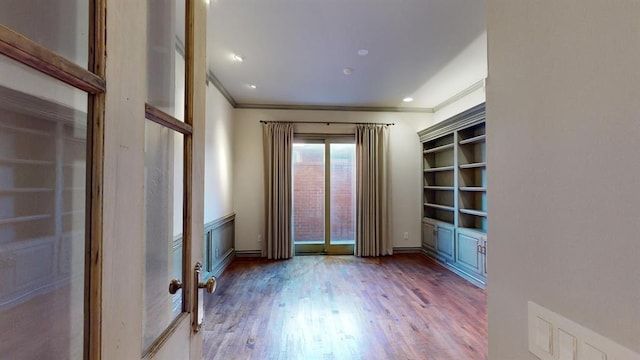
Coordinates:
[277,142]
[372,200]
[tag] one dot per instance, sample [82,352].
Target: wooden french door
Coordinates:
[324,195]
[79,163]
[173,251]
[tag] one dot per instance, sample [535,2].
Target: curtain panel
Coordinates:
[372,191]
[278,143]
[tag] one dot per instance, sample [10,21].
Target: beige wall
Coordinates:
[218,191]
[563,110]
[405,155]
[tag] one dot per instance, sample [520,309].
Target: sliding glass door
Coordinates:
[324,195]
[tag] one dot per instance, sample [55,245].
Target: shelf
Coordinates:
[25,190]
[484,231]
[473,188]
[473,165]
[441,207]
[474,139]
[442,188]
[26,162]
[438,149]
[474,212]
[26,131]
[442,168]
[24,218]
[79,165]
[77,140]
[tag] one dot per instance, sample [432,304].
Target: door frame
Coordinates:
[326,247]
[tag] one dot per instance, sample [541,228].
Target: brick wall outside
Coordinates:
[308,195]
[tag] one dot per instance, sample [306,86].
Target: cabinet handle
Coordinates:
[479,248]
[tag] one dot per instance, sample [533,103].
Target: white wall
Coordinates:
[563,127]
[405,155]
[218,191]
[466,102]
[465,69]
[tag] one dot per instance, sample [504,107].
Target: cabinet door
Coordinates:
[484,256]
[428,236]
[469,255]
[445,242]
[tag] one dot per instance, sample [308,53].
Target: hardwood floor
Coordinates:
[344,307]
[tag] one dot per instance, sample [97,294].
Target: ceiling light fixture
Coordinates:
[253,86]
[347,71]
[237,57]
[407,99]
[363,52]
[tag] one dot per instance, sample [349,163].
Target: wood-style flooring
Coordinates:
[344,307]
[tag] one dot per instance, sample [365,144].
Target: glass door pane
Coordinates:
[164,205]
[342,194]
[308,195]
[43,147]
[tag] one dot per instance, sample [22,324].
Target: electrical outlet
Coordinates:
[259,237]
[217,252]
[406,235]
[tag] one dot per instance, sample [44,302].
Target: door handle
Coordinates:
[174,286]
[209,286]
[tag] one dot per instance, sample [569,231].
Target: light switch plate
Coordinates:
[570,340]
[593,353]
[567,346]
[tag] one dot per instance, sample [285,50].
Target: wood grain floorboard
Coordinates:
[345,307]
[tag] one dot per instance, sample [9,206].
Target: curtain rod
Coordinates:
[327,122]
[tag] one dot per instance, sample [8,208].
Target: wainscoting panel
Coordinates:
[219,245]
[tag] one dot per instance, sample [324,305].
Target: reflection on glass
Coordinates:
[60,25]
[308,193]
[42,216]
[165,56]
[343,194]
[163,228]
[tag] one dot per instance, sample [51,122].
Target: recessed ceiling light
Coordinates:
[237,57]
[363,52]
[407,99]
[347,71]
[253,86]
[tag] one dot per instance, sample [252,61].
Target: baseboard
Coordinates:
[223,263]
[407,250]
[450,267]
[249,253]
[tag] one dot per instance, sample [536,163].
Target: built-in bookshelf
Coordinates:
[455,193]
[438,178]
[43,151]
[472,178]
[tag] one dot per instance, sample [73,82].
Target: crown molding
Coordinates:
[478,85]
[211,78]
[333,108]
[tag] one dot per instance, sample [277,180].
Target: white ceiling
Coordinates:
[295,50]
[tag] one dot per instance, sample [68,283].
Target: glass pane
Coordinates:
[163,228]
[43,132]
[308,193]
[343,193]
[165,56]
[60,25]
